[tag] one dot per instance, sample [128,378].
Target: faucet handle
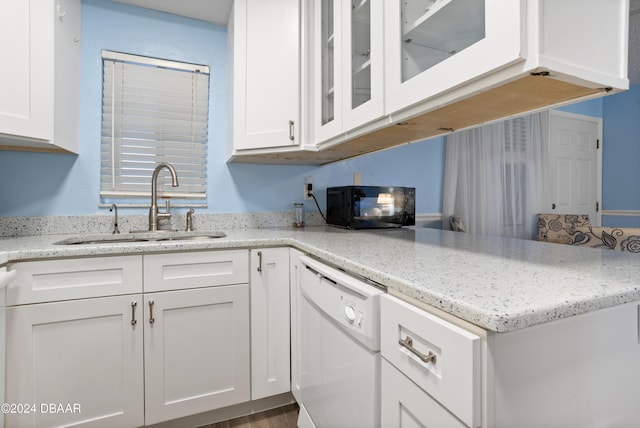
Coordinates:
[167,210]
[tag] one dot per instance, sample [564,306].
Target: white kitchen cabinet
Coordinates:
[450,65]
[196,347]
[405,405]
[40,92]
[84,355]
[270,332]
[347,65]
[432,46]
[197,336]
[577,371]
[264,38]
[127,358]
[442,360]
[295,269]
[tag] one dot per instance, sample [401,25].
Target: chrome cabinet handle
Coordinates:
[133,313]
[291,130]
[151,318]
[408,343]
[259,261]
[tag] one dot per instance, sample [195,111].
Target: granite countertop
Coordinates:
[498,284]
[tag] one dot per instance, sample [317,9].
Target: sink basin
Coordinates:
[141,237]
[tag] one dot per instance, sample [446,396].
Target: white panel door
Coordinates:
[266,73]
[270,332]
[85,355]
[295,267]
[196,346]
[575,164]
[26,96]
[405,405]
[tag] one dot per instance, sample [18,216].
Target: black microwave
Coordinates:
[371,207]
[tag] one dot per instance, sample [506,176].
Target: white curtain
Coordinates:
[496,176]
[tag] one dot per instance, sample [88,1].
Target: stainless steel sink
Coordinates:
[142,236]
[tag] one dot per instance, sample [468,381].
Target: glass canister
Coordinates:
[298,214]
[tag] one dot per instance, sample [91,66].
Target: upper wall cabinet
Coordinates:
[347,66]
[39,79]
[448,65]
[264,39]
[436,45]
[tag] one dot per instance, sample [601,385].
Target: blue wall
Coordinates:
[41,184]
[588,108]
[621,156]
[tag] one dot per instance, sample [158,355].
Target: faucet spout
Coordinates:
[154,213]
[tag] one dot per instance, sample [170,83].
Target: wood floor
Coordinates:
[282,417]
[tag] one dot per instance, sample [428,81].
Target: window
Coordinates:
[495,176]
[153,111]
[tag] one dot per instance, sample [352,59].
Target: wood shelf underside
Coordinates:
[526,94]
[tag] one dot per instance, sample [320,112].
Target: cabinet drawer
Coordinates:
[163,272]
[406,405]
[67,279]
[453,376]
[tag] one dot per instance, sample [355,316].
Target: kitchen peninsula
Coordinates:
[547,314]
[498,284]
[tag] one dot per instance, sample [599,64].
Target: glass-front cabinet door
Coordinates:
[327,78]
[435,45]
[348,65]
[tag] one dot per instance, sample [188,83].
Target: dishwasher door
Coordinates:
[340,374]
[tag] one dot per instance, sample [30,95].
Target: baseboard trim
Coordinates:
[426,217]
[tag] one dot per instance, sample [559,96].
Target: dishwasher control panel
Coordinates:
[349,301]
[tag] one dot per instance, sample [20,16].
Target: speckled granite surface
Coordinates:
[498,284]
[103,223]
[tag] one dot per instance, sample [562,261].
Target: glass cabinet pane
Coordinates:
[328,64]
[360,52]
[434,30]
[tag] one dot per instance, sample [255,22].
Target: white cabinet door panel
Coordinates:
[86,354]
[295,267]
[196,351]
[40,85]
[404,405]
[270,332]
[266,73]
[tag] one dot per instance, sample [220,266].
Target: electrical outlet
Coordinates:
[308,189]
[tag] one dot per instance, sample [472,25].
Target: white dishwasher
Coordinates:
[339,349]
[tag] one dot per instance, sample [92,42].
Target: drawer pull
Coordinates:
[133,313]
[408,343]
[259,261]
[151,318]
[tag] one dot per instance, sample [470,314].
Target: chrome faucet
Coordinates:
[154,214]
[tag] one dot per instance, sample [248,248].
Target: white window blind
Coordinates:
[153,111]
